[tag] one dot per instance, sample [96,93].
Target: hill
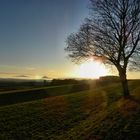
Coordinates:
[96,114]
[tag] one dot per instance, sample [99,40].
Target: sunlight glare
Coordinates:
[37,77]
[91,69]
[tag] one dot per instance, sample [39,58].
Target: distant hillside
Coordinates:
[110,77]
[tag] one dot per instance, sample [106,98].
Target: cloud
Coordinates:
[22,76]
[7,73]
[45,77]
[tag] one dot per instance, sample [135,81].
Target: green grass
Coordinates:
[24,95]
[97,114]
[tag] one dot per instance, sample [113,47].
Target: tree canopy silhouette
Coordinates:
[111,34]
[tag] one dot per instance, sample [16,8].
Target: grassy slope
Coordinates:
[96,114]
[23,95]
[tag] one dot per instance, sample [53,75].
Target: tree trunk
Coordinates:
[122,74]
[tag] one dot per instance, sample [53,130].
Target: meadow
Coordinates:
[68,112]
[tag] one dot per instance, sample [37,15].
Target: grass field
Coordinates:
[96,114]
[23,95]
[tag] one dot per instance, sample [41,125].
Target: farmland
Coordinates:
[64,113]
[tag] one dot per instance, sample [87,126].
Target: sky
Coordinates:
[33,35]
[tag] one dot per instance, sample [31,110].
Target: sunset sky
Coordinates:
[33,34]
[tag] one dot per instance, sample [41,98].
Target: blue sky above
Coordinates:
[33,34]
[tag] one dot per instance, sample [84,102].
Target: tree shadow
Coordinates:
[128,106]
[132,98]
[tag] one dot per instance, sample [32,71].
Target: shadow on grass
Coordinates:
[35,94]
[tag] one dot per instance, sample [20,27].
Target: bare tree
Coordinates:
[111,34]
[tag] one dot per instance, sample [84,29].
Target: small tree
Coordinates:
[111,34]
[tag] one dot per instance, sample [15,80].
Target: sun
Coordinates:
[91,69]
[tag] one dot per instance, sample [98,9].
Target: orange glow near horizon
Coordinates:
[37,77]
[91,69]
